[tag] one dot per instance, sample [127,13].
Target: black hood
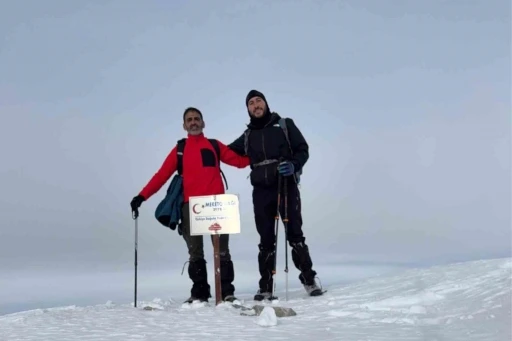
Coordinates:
[266,120]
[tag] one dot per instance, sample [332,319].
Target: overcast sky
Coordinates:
[405,105]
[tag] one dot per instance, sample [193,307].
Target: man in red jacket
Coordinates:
[201,176]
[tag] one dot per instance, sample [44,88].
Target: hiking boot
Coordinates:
[200,288]
[313,289]
[263,295]
[302,261]
[191,299]
[227,276]
[229,298]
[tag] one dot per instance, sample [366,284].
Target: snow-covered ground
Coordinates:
[465,301]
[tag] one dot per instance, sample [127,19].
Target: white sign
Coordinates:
[214,214]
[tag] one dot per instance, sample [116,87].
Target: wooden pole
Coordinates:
[216,256]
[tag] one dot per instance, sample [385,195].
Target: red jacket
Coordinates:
[198,178]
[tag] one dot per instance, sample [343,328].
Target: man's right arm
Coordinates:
[238,145]
[168,167]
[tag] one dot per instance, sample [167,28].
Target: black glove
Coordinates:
[135,204]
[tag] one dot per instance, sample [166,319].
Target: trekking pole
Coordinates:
[135,216]
[276,232]
[285,223]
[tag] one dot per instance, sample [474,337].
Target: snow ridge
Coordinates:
[463,301]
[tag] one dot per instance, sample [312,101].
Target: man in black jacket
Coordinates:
[273,156]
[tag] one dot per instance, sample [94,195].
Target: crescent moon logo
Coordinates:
[195,210]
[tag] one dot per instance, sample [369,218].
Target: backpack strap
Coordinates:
[216,146]
[246,140]
[180,149]
[282,124]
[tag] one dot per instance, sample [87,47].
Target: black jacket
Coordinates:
[268,142]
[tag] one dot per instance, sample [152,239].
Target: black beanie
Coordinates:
[254,93]
[260,121]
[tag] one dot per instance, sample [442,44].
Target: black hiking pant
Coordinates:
[197,263]
[265,210]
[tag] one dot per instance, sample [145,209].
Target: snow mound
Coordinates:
[267,318]
[464,301]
